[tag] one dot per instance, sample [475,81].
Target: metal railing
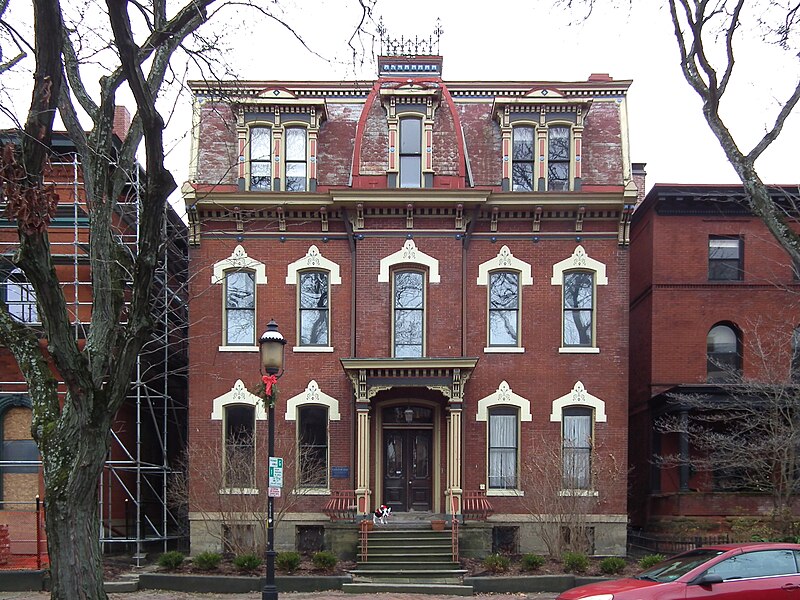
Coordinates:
[454,524]
[476,506]
[364,527]
[640,543]
[23,544]
[341,506]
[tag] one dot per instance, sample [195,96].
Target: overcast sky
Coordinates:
[532,40]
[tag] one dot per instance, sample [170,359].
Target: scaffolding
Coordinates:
[138,507]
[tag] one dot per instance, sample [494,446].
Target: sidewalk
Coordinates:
[156,595]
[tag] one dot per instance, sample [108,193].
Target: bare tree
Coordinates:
[746,437]
[72,430]
[706,35]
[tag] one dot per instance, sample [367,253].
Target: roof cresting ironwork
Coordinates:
[407,46]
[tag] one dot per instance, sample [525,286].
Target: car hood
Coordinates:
[607,587]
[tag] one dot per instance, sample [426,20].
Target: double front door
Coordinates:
[407,469]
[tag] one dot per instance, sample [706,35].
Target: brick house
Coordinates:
[449,264]
[711,293]
[148,435]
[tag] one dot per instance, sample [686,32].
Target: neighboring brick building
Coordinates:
[710,289]
[148,435]
[449,264]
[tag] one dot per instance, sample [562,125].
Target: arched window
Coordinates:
[578,308]
[576,448]
[409,314]
[558,160]
[723,352]
[312,446]
[240,308]
[260,158]
[20,298]
[522,159]
[410,153]
[504,308]
[503,447]
[240,446]
[313,308]
[296,159]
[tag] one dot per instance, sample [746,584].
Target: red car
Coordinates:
[756,571]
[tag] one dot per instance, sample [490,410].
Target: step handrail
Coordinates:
[364,531]
[454,527]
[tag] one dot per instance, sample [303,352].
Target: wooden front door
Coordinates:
[407,467]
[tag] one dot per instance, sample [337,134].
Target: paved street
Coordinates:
[156,595]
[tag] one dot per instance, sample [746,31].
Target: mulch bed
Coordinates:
[476,568]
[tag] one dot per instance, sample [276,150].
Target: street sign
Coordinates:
[275,472]
[274,492]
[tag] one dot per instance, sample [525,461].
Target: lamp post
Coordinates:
[271,346]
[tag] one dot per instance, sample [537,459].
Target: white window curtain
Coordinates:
[577,449]
[502,450]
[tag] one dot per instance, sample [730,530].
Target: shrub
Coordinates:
[324,560]
[496,563]
[207,561]
[612,565]
[247,562]
[575,562]
[171,560]
[650,560]
[287,561]
[531,562]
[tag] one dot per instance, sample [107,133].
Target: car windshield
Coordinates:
[675,567]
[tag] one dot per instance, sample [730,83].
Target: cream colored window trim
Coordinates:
[312,349]
[581,398]
[237,349]
[312,395]
[504,350]
[313,261]
[508,493]
[409,254]
[238,395]
[504,396]
[578,493]
[302,491]
[579,350]
[579,261]
[239,261]
[505,261]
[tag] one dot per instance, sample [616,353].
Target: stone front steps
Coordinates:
[405,559]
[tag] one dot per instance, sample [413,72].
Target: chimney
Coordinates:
[639,175]
[122,122]
[599,77]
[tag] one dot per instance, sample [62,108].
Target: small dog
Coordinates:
[381,514]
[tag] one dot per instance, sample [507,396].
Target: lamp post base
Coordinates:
[269,593]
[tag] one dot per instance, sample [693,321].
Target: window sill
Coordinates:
[312,491]
[504,350]
[578,350]
[578,493]
[312,349]
[515,493]
[239,492]
[238,349]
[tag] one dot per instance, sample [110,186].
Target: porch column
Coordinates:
[454,491]
[363,492]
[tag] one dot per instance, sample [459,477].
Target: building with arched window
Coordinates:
[449,264]
[715,308]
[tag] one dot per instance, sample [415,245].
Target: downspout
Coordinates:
[351,242]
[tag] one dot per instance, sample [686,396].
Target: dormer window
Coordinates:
[410,152]
[558,159]
[522,157]
[260,158]
[296,159]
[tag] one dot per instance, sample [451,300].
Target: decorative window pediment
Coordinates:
[504,260]
[239,260]
[581,398]
[312,395]
[504,396]
[409,254]
[239,394]
[579,261]
[313,260]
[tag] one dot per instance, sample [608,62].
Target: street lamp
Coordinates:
[271,346]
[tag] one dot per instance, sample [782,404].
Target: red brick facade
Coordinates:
[675,302]
[462,216]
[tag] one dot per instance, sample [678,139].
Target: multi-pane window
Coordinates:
[240,308]
[503,447]
[314,308]
[312,446]
[409,313]
[295,160]
[576,448]
[795,366]
[410,153]
[260,158]
[504,308]
[522,159]
[724,359]
[240,446]
[724,258]
[20,298]
[578,308]
[558,158]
